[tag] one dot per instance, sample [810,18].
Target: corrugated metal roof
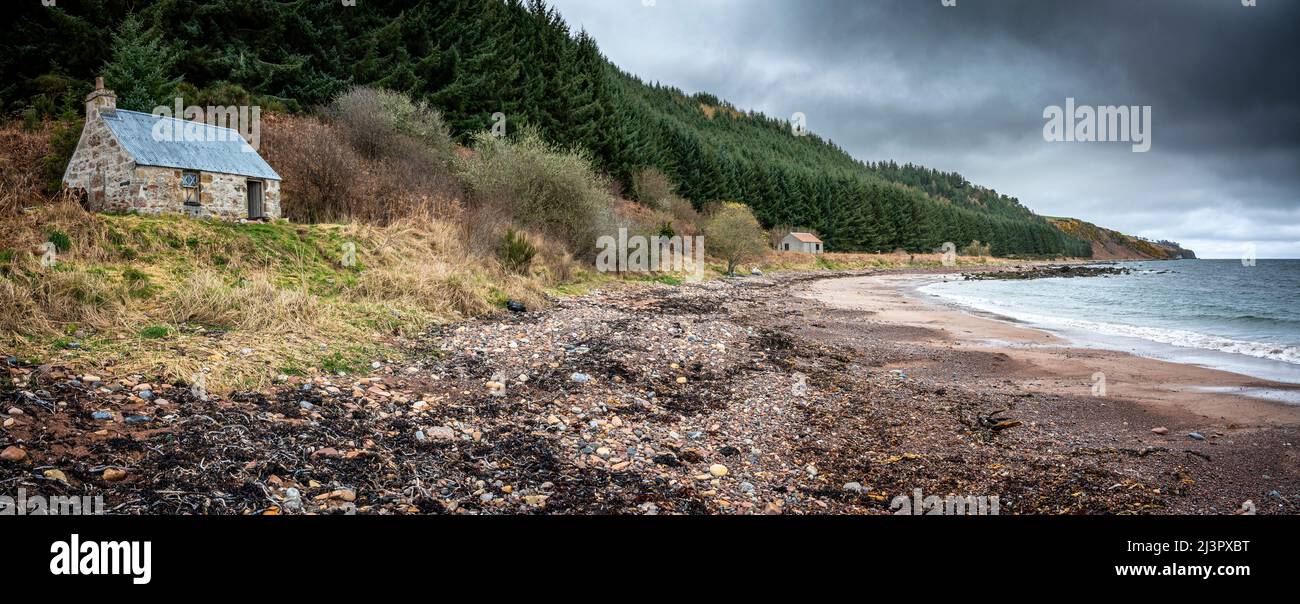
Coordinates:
[186,145]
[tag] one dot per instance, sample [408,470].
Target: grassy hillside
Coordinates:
[1114,245]
[170,297]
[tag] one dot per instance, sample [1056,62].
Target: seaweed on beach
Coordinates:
[607,404]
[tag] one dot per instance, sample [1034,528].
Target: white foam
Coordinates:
[1173,337]
[1290,397]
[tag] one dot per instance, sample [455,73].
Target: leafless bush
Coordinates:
[652,188]
[686,220]
[319,170]
[385,124]
[21,181]
[326,179]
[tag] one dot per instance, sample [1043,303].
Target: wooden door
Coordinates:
[255,199]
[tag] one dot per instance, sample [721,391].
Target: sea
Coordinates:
[1221,314]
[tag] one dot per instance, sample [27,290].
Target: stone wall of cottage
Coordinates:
[222,196]
[102,169]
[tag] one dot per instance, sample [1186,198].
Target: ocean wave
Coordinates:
[1173,337]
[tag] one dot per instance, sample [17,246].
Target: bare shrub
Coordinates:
[652,188]
[415,185]
[686,220]
[21,178]
[326,179]
[318,169]
[382,124]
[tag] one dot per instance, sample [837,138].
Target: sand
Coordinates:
[1042,362]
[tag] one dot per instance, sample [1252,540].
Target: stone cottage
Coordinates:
[127,160]
[807,243]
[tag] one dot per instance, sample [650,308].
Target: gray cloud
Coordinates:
[963,88]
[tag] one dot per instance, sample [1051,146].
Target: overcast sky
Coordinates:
[964,88]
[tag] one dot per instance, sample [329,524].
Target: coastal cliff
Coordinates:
[1114,245]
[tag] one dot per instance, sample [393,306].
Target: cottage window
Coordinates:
[190,186]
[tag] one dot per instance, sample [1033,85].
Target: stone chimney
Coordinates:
[100,101]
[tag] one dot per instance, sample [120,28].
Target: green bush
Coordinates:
[60,240]
[734,235]
[553,191]
[516,252]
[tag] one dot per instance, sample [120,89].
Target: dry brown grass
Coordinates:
[252,304]
[167,296]
[795,261]
[21,180]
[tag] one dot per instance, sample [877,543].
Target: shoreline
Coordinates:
[734,396]
[1161,343]
[1049,363]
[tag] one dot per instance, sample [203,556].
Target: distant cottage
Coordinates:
[122,164]
[807,243]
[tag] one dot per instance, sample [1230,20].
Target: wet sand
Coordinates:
[1042,362]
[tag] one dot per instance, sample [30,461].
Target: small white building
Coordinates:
[806,243]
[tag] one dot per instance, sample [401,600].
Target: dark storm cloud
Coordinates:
[963,88]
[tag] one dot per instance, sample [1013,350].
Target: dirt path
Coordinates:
[723,397]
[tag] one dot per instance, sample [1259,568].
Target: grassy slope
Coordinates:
[168,297]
